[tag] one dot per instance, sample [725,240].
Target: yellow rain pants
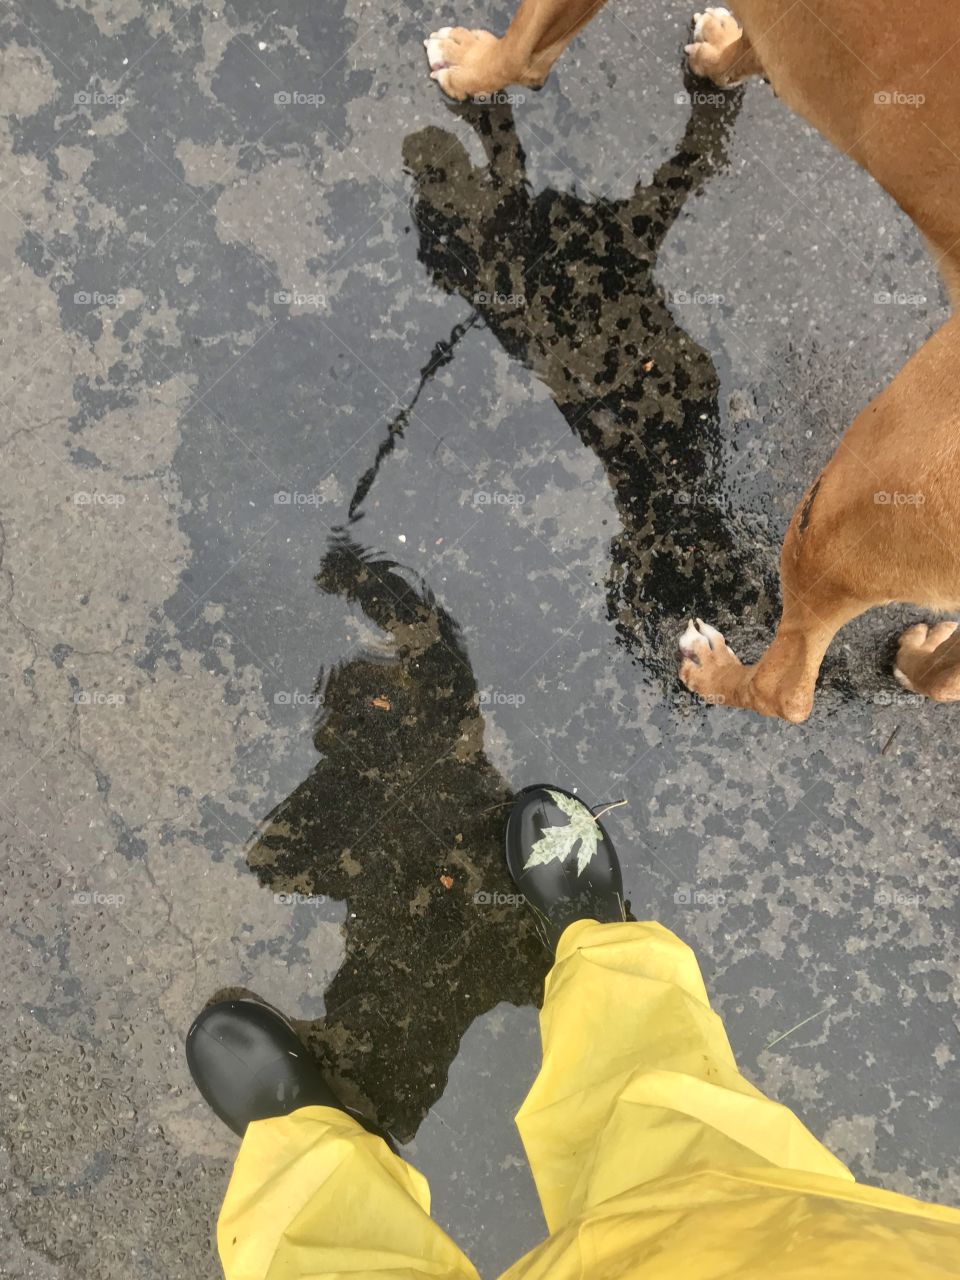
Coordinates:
[653,1158]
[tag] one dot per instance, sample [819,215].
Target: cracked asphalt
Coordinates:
[363,458]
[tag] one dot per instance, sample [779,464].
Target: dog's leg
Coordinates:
[721,51]
[470,64]
[879,525]
[782,682]
[928,661]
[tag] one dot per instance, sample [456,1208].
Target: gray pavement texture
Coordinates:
[363,457]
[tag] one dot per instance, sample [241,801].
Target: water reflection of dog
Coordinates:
[403,818]
[567,286]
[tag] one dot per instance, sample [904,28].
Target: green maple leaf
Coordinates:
[559,842]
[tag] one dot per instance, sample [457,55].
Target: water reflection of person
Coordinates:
[402,817]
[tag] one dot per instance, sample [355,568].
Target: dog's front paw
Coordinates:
[707,663]
[464,63]
[714,31]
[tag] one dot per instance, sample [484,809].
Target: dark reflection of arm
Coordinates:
[702,152]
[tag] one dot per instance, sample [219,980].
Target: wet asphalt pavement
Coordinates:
[364,456]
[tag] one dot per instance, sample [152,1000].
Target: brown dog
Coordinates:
[882,521]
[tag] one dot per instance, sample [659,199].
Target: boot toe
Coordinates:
[249,1064]
[562,860]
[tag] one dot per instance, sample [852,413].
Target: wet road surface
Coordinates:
[364,458]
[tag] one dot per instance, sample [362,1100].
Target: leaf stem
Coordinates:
[616,804]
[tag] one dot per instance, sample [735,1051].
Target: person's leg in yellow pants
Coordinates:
[652,1155]
[655,1158]
[313,1194]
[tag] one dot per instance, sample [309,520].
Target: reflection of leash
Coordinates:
[441,354]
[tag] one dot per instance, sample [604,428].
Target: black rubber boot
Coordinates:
[249,1064]
[562,861]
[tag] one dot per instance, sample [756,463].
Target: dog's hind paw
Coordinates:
[706,662]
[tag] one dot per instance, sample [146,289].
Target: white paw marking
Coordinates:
[432,45]
[700,18]
[699,638]
[902,679]
[711,633]
[689,641]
